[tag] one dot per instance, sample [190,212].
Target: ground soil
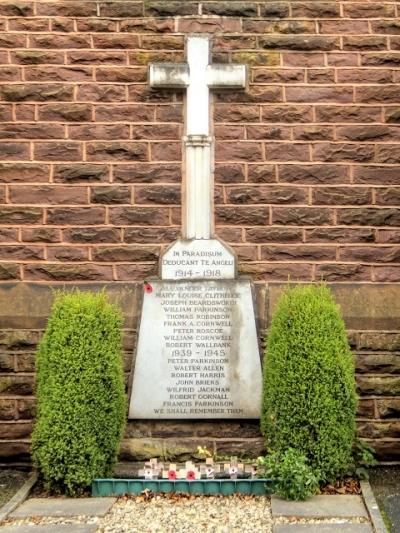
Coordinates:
[385,482]
[10,482]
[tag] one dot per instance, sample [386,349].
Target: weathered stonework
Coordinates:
[307,178]
[371,312]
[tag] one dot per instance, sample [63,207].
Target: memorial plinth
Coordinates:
[197,353]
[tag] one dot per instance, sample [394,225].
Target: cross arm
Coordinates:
[226,76]
[169,75]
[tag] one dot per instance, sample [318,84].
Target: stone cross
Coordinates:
[198,76]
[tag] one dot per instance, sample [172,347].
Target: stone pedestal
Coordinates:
[197,353]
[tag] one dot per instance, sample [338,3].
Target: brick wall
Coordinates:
[307,179]
[308,158]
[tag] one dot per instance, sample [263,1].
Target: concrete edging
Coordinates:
[18,497]
[372,507]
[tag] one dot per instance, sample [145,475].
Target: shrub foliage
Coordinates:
[80,391]
[291,474]
[309,398]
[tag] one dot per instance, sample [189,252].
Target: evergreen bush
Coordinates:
[292,477]
[309,398]
[80,391]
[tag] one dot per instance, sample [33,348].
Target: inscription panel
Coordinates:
[197,353]
[198,259]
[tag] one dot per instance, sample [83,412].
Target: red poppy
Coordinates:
[172,474]
[147,287]
[190,475]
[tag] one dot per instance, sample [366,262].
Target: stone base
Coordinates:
[371,313]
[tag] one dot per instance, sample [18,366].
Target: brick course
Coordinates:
[317,130]
[307,177]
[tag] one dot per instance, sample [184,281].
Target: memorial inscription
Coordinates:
[203,352]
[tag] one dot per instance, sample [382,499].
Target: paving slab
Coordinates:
[323,528]
[64,507]
[323,506]
[51,528]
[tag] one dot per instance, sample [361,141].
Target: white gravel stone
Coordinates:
[163,514]
[195,514]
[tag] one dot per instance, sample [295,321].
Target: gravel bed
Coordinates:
[183,514]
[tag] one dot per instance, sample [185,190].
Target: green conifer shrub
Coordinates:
[309,398]
[80,392]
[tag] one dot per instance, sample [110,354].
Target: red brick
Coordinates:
[341,196]
[263,75]
[14,151]
[386,273]
[40,235]
[67,9]
[51,73]
[266,195]
[96,25]
[261,132]
[387,94]
[298,253]
[347,59]
[139,216]
[90,57]
[247,151]
[46,194]
[101,93]
[125,112]
[343,152]
[147,25]
[342,235]
[302,216]
[348,114]
[242,215]
[156,131]
[286,113]
[278,271]
[209,25]
[364,76]
[313,133]
[115,41]
[343,26]
[24,172]
[236,113]
[285,152]
[387,196]
[68,272]
[319,94]
[368,10]
[36,57]
[136,271]
[166,151]
[76,216]
[32,131]
[58,151]
[65,112]
[59,41]
[18,253]
[121,74]
[117,151]
[365,42]
[299,59]
[343,272]
[320,75]
[10,74]
[67,254]
[12,40]
[99,132]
